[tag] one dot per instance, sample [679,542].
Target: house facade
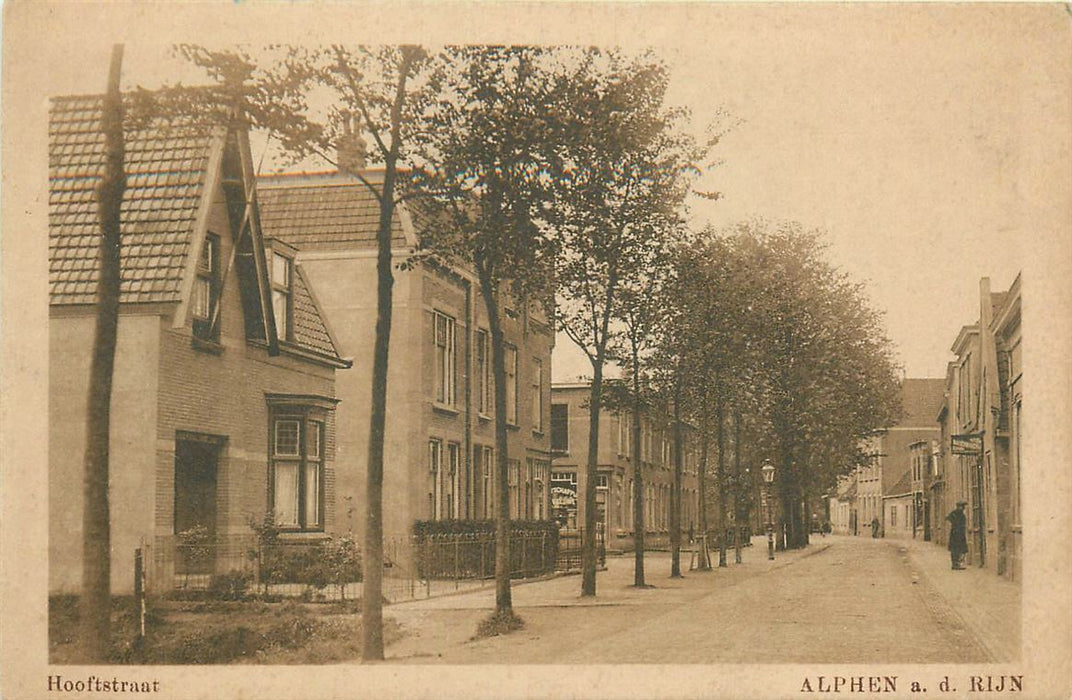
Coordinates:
[439,451]
[222,408]
[614,486]
[981,431]
[900,452]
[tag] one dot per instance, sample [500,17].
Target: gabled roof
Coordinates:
[310,328]
[166,170]
[921,399]
[169,166]
[324,211]
[902,487]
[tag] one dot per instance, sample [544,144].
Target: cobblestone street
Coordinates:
[842,600]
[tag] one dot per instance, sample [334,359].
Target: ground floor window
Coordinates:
[297,472]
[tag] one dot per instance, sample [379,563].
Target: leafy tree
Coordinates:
[373,91]
[627,168]
[639,308]
[95,622]
[483,175]
[824,373]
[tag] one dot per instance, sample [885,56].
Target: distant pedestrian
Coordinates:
[874,527]
[958,534]
[692,533]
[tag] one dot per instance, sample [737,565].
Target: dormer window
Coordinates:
[281,294]
[207,289]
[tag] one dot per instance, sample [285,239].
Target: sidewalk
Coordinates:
[559,619]
[988,605]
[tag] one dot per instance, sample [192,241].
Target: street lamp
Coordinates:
[768,479]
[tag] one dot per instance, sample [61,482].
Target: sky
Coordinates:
[914,136]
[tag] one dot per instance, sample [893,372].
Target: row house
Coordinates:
[893,457]
[615,494]
[223,403]
[439,449]
[979,456]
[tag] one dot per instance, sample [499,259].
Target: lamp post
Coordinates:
[768,479]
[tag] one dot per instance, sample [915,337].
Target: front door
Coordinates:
[196,467]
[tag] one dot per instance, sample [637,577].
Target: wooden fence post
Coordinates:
[139,590]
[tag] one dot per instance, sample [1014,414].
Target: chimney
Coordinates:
[350,148]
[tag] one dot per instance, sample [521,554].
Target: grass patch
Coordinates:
[220,632]
[498,623]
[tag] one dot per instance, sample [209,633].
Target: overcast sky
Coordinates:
[912,135]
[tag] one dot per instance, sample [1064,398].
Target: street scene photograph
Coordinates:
[697,349]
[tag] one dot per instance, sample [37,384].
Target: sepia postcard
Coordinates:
[536,350]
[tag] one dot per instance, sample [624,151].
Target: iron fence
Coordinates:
[240,565]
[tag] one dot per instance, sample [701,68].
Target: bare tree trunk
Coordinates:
[675,490]
[703,562]
[372,597]
[638,481]
[704,441]
[503,598]
[720,432]
[96,527]
[588,548]
[738,530]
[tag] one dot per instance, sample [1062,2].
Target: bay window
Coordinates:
[297,472]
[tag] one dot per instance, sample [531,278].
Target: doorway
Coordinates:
[196,469]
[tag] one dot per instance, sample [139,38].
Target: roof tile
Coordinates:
[316,213]
[165,164]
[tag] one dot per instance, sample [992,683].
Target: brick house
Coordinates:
[221,408]
[440,435]
[891,453]
[981,431]
[899,509]
[614,486]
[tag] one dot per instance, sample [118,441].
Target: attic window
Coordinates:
[207,289]
[281,294]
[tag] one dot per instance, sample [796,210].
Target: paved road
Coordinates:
[847,600]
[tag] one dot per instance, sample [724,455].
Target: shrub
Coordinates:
[234,585]
[498,623]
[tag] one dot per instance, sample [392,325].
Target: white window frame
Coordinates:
[205,297]
[485,390]
[510,362]
[454,473]
[444,335]
[307,460]
[537,395]
[283,294]
[435,473]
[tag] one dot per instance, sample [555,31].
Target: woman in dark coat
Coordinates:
[958,534]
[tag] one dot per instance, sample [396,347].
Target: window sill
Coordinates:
[302,535]
[513,426]
[537,433]
[484,417]
[444,408]
[212,347]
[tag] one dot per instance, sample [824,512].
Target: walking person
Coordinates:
[958,534]
[874,527]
